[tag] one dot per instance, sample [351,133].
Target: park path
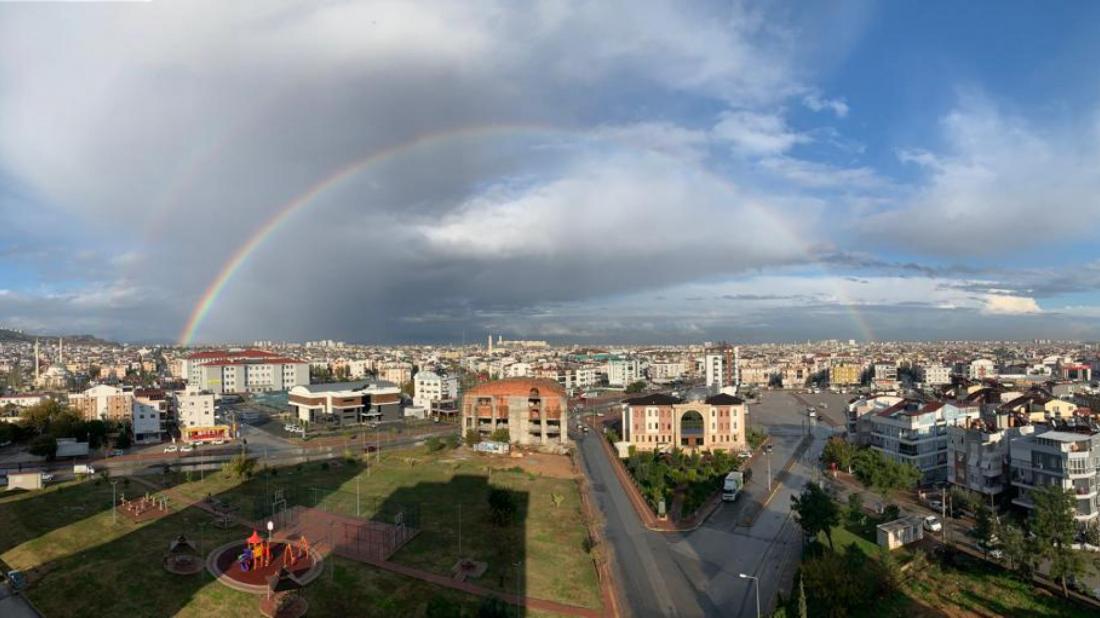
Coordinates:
[181,501]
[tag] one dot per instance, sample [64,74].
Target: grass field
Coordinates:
[972,589]
[81,563]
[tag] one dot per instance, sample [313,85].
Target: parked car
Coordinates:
[932,524]
[171,448]
[187,448]
[745,454]
[768,447]
[47,477]
[219,442]
[936,505]
[118,452]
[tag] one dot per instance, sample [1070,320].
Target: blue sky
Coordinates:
[738,171]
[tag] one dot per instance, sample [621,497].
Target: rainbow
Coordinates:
[349,170]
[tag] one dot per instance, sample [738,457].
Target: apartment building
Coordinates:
[346,403]
[663,372]
[533,410]
[979,457]
[149,416]
[662,422]
[981,368]
[885,375]
[430,388]
[244,371]
[194,408]
[934,374]
[397,373]
[623,371]
[1068,459]
[915,432]
[859,409]
[103,402]
[845,374]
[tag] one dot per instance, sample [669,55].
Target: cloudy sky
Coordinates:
[605,172]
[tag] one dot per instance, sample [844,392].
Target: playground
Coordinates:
[249,565]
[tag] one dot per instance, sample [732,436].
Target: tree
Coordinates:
[472,437]
[1054,528]
[1017,549]
[7,432]
[875,470]
[854,513]
[816,511]
[636,387]
[44,446]
[983,530]
[839,452]
[434,444]
[502,506]
[500,435]
[963,500]
[122,440]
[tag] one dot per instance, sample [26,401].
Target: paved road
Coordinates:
[698,573]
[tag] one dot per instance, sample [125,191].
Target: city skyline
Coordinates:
[630,173]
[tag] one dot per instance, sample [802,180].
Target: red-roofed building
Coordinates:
[244,371]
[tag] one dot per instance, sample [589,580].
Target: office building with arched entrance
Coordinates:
[661,422]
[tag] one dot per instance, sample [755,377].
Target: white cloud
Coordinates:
[757,133]
[1001,184]
[1006,304]
[817,103]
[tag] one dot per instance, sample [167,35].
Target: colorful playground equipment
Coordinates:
[257,553]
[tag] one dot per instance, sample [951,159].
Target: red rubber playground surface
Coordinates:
[229,565]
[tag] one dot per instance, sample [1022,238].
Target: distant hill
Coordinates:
[11,336]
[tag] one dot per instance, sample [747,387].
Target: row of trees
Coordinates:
[1049,536]
[870,466]
[44,423]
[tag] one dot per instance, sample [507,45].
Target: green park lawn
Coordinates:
[976,589]
[82,563]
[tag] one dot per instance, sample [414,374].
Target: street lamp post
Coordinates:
[114,503]
[768,454]
[756,583]
[270,529]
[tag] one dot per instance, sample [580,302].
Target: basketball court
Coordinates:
[350,537]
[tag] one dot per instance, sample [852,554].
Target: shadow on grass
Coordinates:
[27,515]
[123,575]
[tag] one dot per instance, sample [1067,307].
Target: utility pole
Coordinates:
[114,502]
[357,496]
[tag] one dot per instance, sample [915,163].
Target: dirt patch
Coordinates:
[553,466]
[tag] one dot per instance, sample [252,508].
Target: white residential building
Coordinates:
[244,371]
[147,418]
[623,371]
[982,368]
[430,388]
[664,371]
[195,408]
[714,367]
[915,432]
[935,374]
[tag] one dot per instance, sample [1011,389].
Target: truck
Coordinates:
[732,485]
[83,469]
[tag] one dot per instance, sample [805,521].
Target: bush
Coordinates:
[240,466]
[44,446]
[500,435]
[472,437]
[453,441]
[434,444]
